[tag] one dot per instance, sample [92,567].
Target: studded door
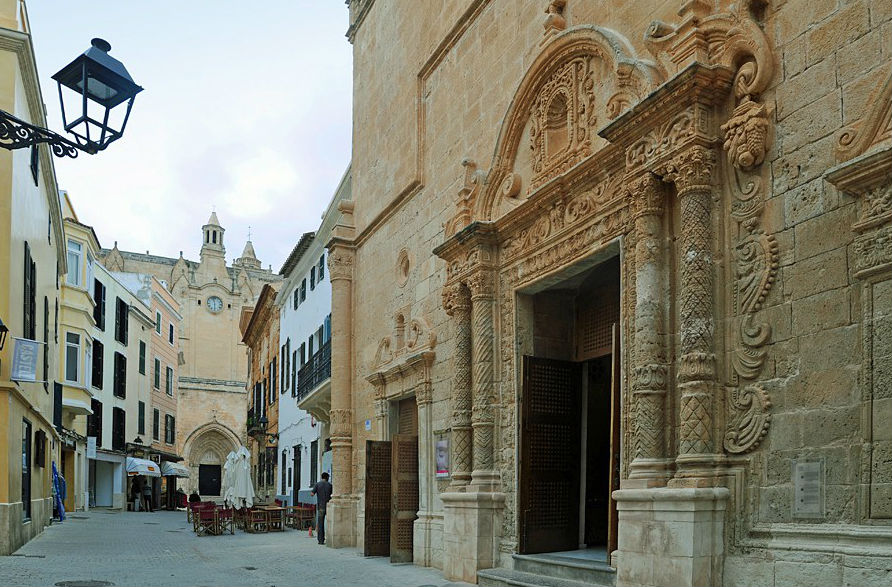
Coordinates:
[550,453]
[377,497]
[404,497]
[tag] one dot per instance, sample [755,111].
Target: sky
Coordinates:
[246,110]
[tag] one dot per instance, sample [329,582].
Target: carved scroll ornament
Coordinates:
[750,419]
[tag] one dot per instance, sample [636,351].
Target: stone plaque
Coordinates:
[808,488]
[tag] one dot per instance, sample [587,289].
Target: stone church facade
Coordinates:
[633,268]
[213,365]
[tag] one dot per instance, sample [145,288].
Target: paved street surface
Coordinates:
[161,549]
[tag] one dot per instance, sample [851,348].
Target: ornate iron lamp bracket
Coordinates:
[18,134]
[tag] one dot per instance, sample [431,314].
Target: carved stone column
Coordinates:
[481,284]
[457,303]
[341,522]
[649,466]
[692,173]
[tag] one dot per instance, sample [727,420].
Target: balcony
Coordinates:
[314,384]
[252,423]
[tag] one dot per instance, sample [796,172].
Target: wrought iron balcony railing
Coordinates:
[314,372]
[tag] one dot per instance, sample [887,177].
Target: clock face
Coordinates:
[215,304]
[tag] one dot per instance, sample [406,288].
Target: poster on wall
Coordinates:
[441,450]
[91,447]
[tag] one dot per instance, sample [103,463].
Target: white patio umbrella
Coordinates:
[242,487]
[228,476]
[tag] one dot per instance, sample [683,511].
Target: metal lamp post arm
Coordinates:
[18,134]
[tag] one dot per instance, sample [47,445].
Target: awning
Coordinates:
[169,469]
[137,466]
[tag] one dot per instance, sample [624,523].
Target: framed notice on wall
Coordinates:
[441,453]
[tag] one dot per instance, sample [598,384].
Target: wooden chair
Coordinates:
[256,521]
[206,522]
[276,519]
[226,520]
[190,508]
[291,516]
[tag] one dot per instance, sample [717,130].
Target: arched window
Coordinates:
[557,127]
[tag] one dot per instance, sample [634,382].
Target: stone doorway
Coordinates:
[569,424]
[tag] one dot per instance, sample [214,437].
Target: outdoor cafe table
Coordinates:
[276,516]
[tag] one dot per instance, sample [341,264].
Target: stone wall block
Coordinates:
[859,57]
[816,274]
[774,504]
[828,426]
[798,15]
[791,574]
[802,165]
[821,311]
[813,83]
[748,571]
[811,123]
[786,431]
[838,348]
[842,28]
[857,95]
[807,201]
[825,232]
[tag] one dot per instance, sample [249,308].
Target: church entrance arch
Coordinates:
[206,450]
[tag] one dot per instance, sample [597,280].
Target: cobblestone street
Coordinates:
[161,549]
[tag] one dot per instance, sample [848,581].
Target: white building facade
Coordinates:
[304,304]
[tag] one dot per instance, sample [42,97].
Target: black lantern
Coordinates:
[99,83]
[3,332]
[103,83]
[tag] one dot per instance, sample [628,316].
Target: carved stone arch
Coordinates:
[600,76]
[212,435]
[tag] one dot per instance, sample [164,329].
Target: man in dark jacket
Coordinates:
[322,491]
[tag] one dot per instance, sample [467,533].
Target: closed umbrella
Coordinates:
[242,487]
[228,476]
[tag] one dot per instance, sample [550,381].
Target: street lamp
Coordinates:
[264,422]
[101,83]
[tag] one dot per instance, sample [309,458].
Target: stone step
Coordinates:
[512,578]
[571,568]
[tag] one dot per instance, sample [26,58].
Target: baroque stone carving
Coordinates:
[554,19]
[733,40]
[873,252]
[750,419]
[873,129]
[340,264]
[756,263]
[466,198]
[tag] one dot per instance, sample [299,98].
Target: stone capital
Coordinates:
[692,169]
[456,300]
[646,193]
[482,285]
[340,263]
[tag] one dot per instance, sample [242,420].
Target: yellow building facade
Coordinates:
[32,258]
[75,352]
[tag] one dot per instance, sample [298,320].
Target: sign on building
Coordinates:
[24,359]
[91,447]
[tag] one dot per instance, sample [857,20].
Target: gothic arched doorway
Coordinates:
[205,451]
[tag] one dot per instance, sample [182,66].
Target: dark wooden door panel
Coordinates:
[377,497]
[615,420]
[404,497]
[550,453]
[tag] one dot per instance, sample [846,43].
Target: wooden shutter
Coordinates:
[550,453]
[98,363]
[26,299]
[404,496]
[377,497]
[408,416]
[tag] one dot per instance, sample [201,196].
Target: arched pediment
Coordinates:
[582,79]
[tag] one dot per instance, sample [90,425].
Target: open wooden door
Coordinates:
[615,419]
[377,497]
[404,497]
[550,453]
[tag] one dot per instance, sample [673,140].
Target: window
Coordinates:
[286,364]
[142,357]
[296,296]
[122,313]
[74,263]
[303,354]
[40,448]
[327,329]
[168,382]
[310,347]
[72,356]
[169,429]
[314,461]
[94,421]
[272,376]
[98,361]
[271,466]
[26,470]
[157,375]
[88,364]
[29,301]
[321,266]
[170,333]
[46,343]
[120,376]
[284,470]
[119,421]
[89,278]
[99,308]
[312,278]
[158,322]
[294,374]
[141,419]
[214,236]
[303,289]
[156,424]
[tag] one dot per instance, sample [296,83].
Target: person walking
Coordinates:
[147,496]
[322,491]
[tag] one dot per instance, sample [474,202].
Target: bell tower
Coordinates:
[212,239]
